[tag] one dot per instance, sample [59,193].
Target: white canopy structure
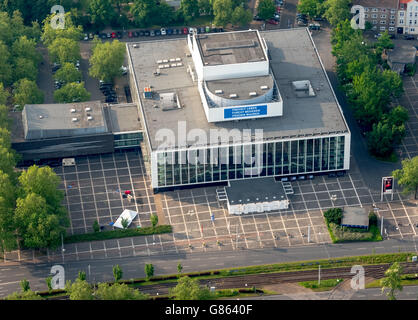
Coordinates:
[126,214]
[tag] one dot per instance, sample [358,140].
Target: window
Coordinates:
[412,29]
[366,15]
[410,21]
[401,14]
[392,11]
[383,16]
[374,22]
[375,10]
[391,29]
[366,9]
[416,15]
[382,22]
[392,16]
[374,28]
[401,21]
[410,14]
[392,22]
[374,15]
[382,28]
[415,21]
[383,10]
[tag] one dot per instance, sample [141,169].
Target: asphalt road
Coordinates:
[133,267]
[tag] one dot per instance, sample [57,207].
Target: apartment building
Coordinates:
[407,17]
[381,14]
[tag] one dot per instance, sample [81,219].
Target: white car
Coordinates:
[86,37]
[124,70]
[163,32]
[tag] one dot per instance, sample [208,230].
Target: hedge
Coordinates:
[114,234]
[344,234]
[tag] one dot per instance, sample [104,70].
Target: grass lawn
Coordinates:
[325,285]
[344,234]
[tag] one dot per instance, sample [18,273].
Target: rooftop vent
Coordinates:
[166,66]
[178,59]
[179,64]
[74,120]
[173,65]
[172,60]
[165,60]
[41,117]
[264,87]
[233,95]
[159,61]
[219,91]
[88,109]
[253,94]
[89,118]
[136,45]
[303,89]
[72,110]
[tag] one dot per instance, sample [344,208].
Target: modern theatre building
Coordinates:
[236,105]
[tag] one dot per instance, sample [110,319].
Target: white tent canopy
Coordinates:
[126,214]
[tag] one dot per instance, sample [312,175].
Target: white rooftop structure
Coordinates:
[129,215]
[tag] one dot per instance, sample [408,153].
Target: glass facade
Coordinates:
[224,163]
[127,140]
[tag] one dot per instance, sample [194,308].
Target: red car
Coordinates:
[113,34]
[278,9]
[130,34]
[185,31]
[272,21]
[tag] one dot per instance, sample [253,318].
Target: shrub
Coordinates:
[334,215]
[372,219]
[96,227]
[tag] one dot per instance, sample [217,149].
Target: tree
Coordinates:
[144,12]
[179,268]
[384,42]
[190,9]
[7,206]
[266,9]
[24,284]
[380,140]
[392,281]
[118,291]
[68,73]
[407,176]
[101,12]
[82,275]
[5,65]
[222,10]
[70,31]
[189,289]
[27,92]
[64,50]
[165,15]
[25,69]
[241,17]
[312,8]
[26,48]
[25,295]
[106,60]
[37,227]
[79,290]
[154,220]
[72,92]
[334,215]
[125,223]
[149,271]
[205,7]
[4,95]
[337,11]
[117,273]
[96,227]
[48,281]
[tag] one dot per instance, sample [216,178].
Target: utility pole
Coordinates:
[319,275]
[89,273]
[381,226]
[309,234]
[62,248]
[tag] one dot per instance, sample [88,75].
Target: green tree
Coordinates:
[106,60]
[205,7]
[117,273]
[101,12]
[189,289]
[380,140]
[179,268]
[222,11]
[241,17]
[72,92]
[384,42]
[25,295]
[24,284]
[81,275]
[71,31]
[96,227]
[149,271]
[27,92]
[334,215]
[266,9]
[64,50]
[7,206]
[48,281]
[312,8]
[79,290]
[5,65]
[7,160]
[26,48]
[154,220]
[125,223]
[144,12]
[407,176]
[190,9]
[118,291]
[337,11]
[25,69]
[392,281]
[68,73]
[37,227]
[4,95]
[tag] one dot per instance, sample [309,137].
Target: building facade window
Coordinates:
[374,21]
[392,16]
[374,15]
[392,22]
[382,22]
[375,10]
[391,29]
[382,16]
[401,14]
[382,28]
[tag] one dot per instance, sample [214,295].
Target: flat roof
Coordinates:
[293,58]
[255,191]
[392,4]
[123,118]
[230,47]
[402,54]
[241,86]
[355,217]
[56,120]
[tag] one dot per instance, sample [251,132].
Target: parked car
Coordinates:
[152,33]
[207,29]
[318,19]
[185,31]
[314,26]
[157,32]
[257,18]
[147,33]
[277,16]
[91,36]
[108,35]
[202,30]
[215,30]
[220,29]
[272,21]
[409,37]
[113,35]
[163,32]
[130,34]
[86,37]
[119,35]
[124,70]
[169,32]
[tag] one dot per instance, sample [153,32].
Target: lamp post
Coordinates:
[62,248]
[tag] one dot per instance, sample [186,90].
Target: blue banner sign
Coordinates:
[242,112]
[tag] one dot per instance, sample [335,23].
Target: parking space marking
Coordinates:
[355,190]
[132,188]
[271,230]
[184,221]
[197,216]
